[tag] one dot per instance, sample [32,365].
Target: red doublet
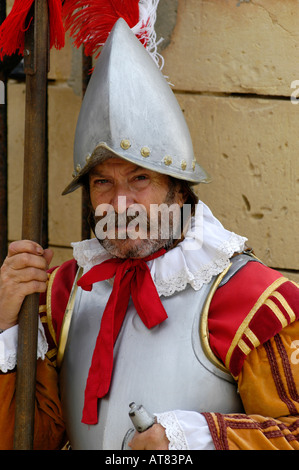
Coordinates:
[247,311]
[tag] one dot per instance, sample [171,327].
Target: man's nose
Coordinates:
[121,200]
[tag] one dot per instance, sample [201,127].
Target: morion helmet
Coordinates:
[130,111]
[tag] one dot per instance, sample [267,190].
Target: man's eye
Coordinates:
[141,177]
[100,181]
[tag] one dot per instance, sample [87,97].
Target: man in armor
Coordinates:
[187,322]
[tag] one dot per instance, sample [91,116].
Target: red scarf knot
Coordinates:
[132,278]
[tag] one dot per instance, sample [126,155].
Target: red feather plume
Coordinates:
[90,22]
[12,30]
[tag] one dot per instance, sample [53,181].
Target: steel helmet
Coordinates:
[130,111]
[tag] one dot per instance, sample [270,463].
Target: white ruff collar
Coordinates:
[204,253]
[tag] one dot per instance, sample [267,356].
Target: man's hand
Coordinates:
[24,272]
[152,439]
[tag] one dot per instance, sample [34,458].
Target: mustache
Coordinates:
[117,225]
[123,220]
[161,222]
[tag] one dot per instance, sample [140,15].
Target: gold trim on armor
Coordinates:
[203,328]
[145,152]
[49,308]
[125,144]
[67,319]
[183,164]
[244,325]
[167,160]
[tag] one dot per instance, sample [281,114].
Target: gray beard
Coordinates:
[139,248]
[145,246]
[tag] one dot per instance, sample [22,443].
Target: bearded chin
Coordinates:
[131,236]
[131,248]
[137,247]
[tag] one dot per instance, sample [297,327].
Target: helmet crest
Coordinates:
[129,111]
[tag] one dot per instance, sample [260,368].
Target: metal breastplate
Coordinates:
[164,368]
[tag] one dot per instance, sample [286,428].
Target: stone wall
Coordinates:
[232,64]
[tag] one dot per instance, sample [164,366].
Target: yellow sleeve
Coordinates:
[269,387]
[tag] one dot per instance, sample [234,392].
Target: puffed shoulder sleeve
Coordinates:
[261,349]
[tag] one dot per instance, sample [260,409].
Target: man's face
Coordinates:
[122,185]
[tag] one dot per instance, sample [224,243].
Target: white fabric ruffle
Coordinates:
[9,346]
[204,253]
[186,430]
[173,431]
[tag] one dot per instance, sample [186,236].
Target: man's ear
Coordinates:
[182,196]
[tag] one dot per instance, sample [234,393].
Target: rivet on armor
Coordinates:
[183,164]
[125,144]
[167,160]
[78,168]
[87,158]
[73,174]
[193,165]
[145,152]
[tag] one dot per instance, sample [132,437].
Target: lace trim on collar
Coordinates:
[205,252]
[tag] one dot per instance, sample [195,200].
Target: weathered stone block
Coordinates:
[61,255]
[236,47]
[16,120]
[250,148]
[64,211]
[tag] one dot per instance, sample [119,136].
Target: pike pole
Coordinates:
[36,56]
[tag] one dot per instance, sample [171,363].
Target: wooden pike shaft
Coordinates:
[36,68]
[3,157]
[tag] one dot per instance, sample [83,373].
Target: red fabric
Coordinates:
[265,323]
[132,277]
[60,293]
[12,30]
[289,291]
[232,303]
